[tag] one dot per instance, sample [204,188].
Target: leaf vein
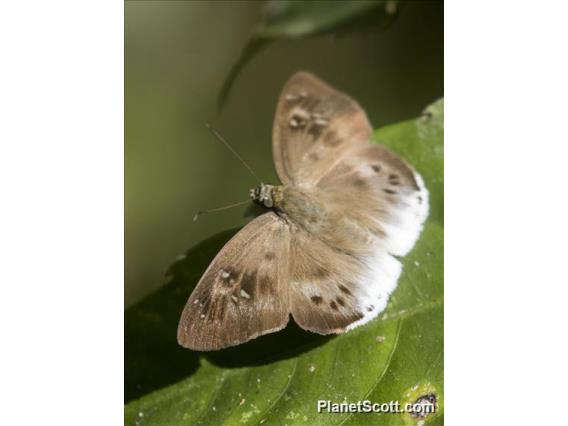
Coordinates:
[387,364]
[281,393]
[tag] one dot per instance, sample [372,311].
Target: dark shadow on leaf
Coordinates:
[288,343]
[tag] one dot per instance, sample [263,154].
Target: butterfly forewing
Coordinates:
[314,124]
[244,292]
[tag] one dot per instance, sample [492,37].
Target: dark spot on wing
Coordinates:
[333,306]
[420,200]
[344,289]
[269,255]
[340,301]
[265,286]
[320,272]
[370,308]
[315,130]
[314,156]
[316,299]
[331,139]
[376,168]
[359,183]
[394,179]
[389,191]
[248,283]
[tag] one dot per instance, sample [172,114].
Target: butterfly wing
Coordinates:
[243,293]
[381,193]
[335,289]
[314,123]
[376,205]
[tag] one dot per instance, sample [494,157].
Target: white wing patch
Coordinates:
[405,221]
[376,286]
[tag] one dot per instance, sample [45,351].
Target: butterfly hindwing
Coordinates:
[335,288]
[243,293]
[381,193]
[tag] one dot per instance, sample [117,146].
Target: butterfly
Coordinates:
[324,250]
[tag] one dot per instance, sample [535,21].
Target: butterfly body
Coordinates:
[295,206]
[325,251]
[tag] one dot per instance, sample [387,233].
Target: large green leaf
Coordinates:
[293,19]
[278,378]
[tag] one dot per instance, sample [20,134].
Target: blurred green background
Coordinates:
[177,57]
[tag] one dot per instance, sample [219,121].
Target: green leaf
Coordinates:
[278,378]
[286,19]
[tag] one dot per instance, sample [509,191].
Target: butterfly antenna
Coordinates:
[218,209]
[218,136]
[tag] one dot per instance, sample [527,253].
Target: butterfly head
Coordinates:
[266,195]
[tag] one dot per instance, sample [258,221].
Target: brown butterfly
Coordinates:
[324,250]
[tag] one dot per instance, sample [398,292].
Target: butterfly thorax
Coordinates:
[296,204]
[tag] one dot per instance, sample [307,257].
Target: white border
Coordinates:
[61,178]
[506,212]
